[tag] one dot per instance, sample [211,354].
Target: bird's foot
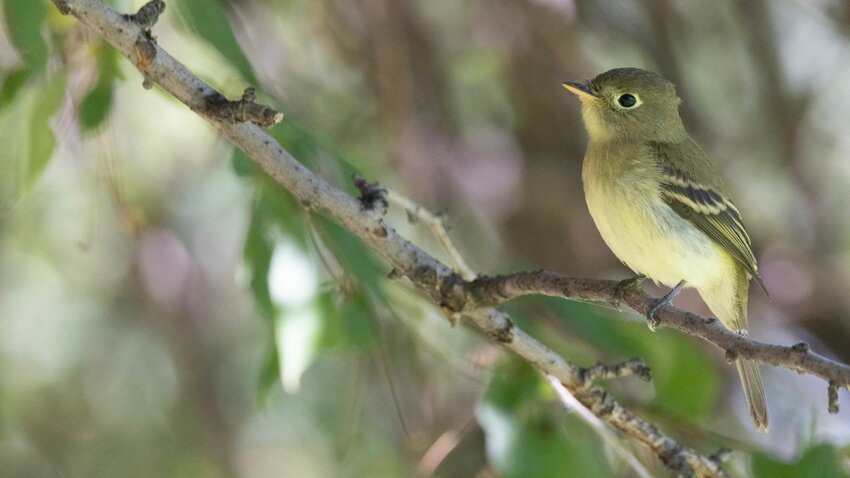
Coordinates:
[656,305]
[624,286]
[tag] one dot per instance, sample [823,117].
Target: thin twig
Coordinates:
[437,227]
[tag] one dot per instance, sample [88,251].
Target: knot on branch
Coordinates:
[244,110]
[373,196]
[597,401]
[63,7]
[674,459]
[147,16]
[801,348]
[373,199]
[453,293]
[832,396]
[503,334]
[721,456]
[143,56]
[631,368]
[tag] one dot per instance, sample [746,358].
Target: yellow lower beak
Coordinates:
[582,90]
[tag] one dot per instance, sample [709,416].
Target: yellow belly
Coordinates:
[652,239]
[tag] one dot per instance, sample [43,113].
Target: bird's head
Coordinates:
[629,104]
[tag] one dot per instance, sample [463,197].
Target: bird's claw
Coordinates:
[651,320]
[656,305]
[624,286]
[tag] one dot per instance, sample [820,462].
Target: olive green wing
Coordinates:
[711,211]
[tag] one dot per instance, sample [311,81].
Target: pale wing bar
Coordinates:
[712,213]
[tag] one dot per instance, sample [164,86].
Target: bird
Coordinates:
[662,207]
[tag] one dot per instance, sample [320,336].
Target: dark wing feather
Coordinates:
[712,213]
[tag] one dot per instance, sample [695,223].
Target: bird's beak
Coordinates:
[582,90]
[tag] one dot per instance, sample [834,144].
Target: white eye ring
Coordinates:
[628,101]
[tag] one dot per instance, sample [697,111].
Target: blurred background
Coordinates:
[166,310]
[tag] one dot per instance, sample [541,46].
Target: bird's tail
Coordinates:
[753,391]
[729,303]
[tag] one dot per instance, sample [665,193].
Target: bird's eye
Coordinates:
[627,100]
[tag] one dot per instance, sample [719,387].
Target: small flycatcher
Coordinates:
[661,206]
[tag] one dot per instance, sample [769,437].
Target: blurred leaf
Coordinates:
[297,141]
[348,321]
[283,211]
[24,20]
[687,384]
[243,166]
[96,105]
[297,333]
[309,146]
[355,258]
[258,256]
[12,84]
[525,438]
[269,378]
[208,19]
[42,140]
[359,325]
[818,461]
[274,210]
[514,383]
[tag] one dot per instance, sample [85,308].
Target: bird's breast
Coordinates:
[623,196]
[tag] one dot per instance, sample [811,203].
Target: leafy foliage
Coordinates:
[95,106]
[527,433]
[819,460]
[42,140]
[687,385]
[208,20]
[24,20]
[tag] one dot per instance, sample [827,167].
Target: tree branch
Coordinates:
[474,300]
[489,291]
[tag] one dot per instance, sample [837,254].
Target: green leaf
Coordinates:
[42,140]
[297,141]
[527,435]
[347,321]
[96,105]
[258,255]
[308,147]
[269,378]
[208,19]
[514,383]
[12,84]
[820,461]
[687,384]
[243,166]
[355,258]
[24,20]
[359,326]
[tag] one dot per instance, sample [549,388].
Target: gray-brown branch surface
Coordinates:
[497,289]
[473,300]
[490,291]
